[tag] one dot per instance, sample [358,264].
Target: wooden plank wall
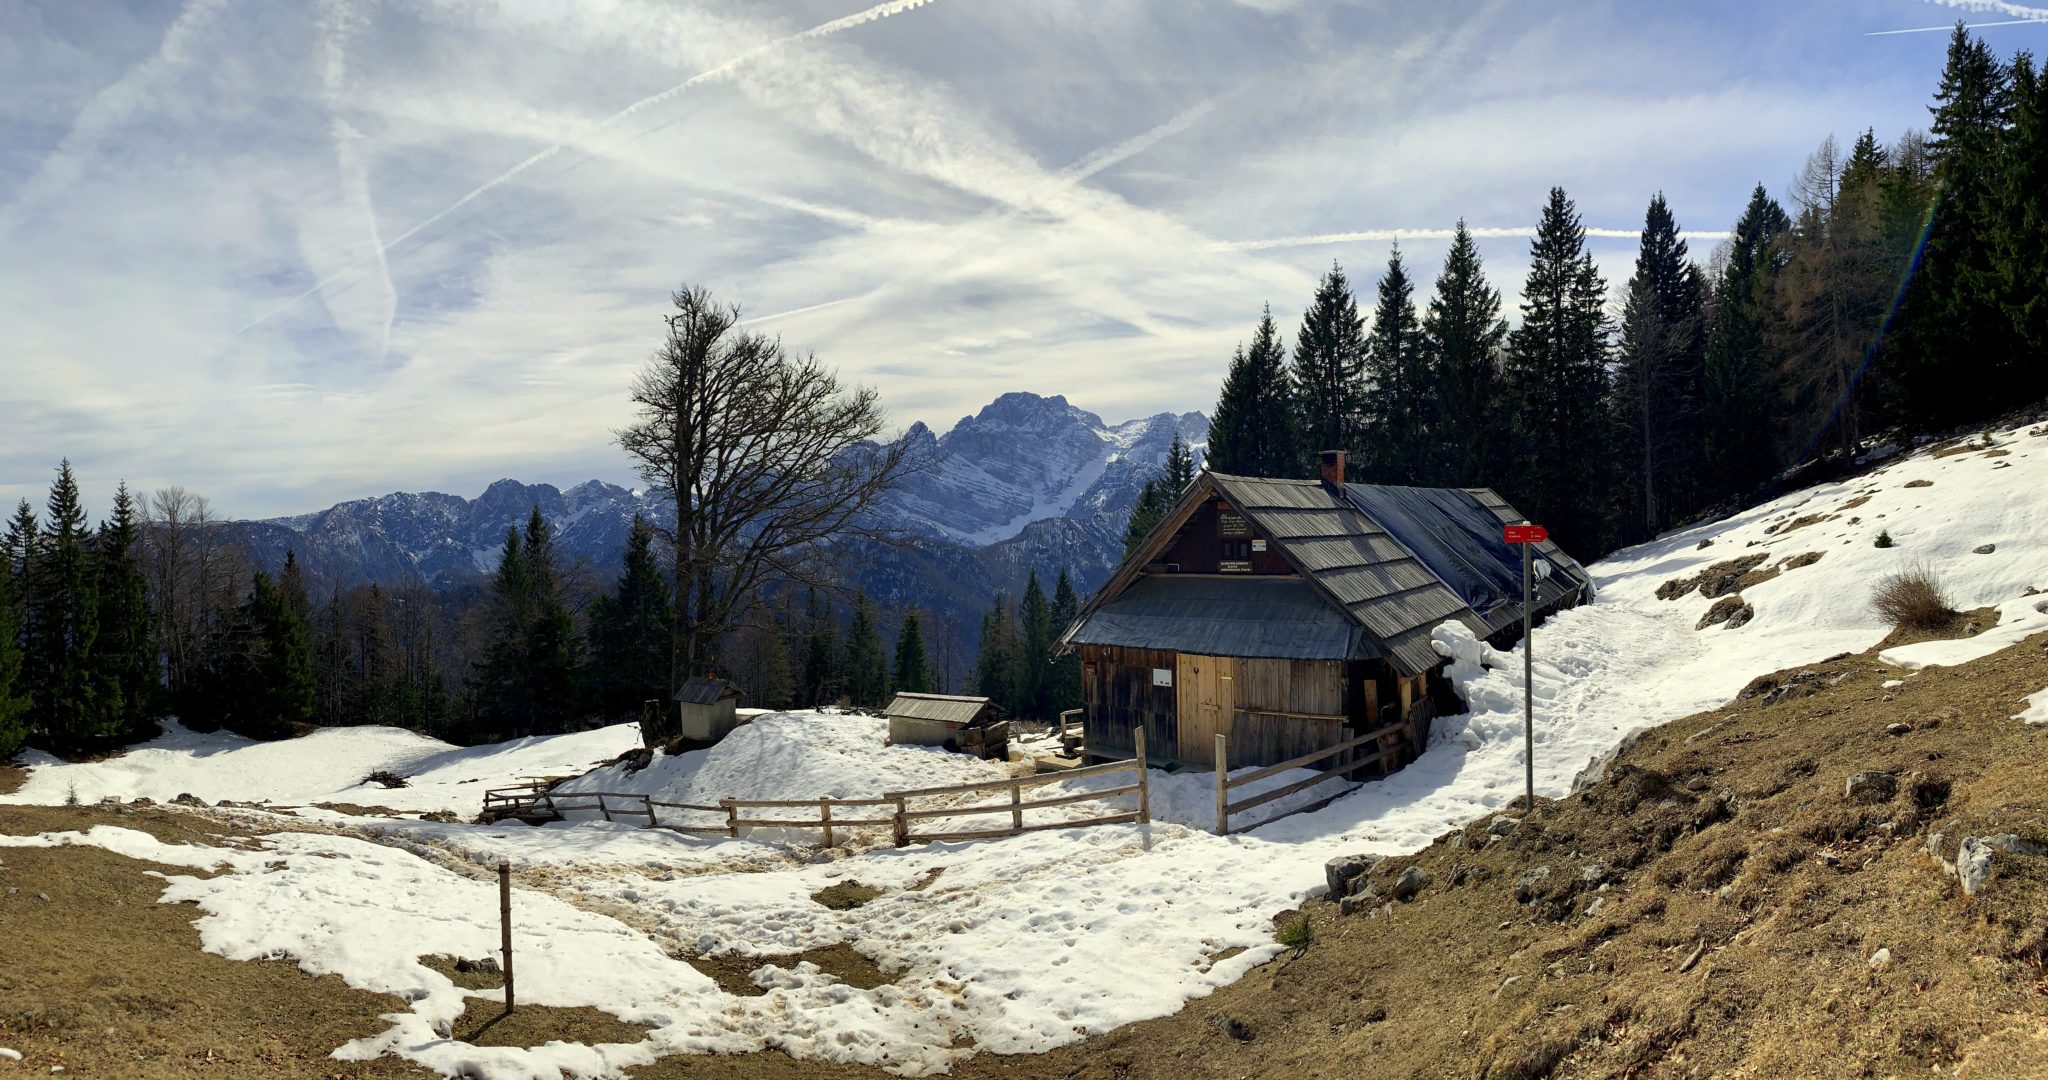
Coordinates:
[1293,686]
[1206,701]
[1117,695]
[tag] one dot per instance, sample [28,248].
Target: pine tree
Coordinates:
[20,544]
[1399,405]
[1737,451]
[1465,336]
[867,670]
[291,578]
[776,687]
[1254,429]
[63,625]
[1965,361]
[1556,379]
[913,663]
[528,682]
[1328,376]
[1659,381]
[125,653]
[629,654]
[1066,671]
[1035,644]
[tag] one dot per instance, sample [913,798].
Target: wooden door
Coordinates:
[1206,698]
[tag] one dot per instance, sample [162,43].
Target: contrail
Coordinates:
[1482,231]
[825,29]
[1994,7]
[355,178]
[1946,29]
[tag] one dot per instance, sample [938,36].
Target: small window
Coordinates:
[1237,557]
[1162,676]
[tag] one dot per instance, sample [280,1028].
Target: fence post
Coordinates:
[902,826]
[1144,802]
[651,822]
[1222,785]
[505,924]
[732,818]
[1016,807]
[825,816]
[602,808]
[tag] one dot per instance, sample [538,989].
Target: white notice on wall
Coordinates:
[1162,676]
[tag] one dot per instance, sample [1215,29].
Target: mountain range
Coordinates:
[1028,483]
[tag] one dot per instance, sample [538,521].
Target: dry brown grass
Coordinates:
[1913,599]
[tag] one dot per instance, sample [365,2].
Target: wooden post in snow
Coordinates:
[1222,782]
[1144,803]
[505,924]
[825,816]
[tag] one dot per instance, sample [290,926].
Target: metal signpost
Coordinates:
[1527,536]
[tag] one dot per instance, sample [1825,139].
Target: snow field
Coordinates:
[1034,941]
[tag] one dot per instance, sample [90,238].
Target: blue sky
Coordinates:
[285,254]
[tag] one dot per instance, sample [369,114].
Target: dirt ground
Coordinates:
[1717,905]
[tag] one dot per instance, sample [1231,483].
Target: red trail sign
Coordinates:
[1525,534]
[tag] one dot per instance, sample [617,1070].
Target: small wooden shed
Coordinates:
[706,709]
[956,722]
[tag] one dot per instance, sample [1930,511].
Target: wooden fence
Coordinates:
[1385,751]
[534,800]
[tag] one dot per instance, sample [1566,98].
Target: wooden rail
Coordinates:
[1350,763]
[537,799]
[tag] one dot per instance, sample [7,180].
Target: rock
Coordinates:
[1880,960]
[1593,907]
[1729,610]
[186,798]
[1352,905]
[636,759]
[1594,872]
[141,801]
[1705,544]
[1872,787]
[486,966]
[1919,483]
[1973,865]
[1596,769]
[1897,729]
[1530,885]
[1341,871]
[1983,549]
[1502,826]
[1412,880]
[1231,1026]
[43,897]
[2017,845]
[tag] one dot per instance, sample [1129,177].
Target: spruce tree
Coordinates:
[63,626]
[269,688]
[1737,452]
[1556,379]
[867,671]
[1965,362]
[1399,405]
[1254,431]
[913,662]
[1035,645]
[125,652]
[1465,335]
[14,698]
[2023,232]
[1328,376]
[529,682]
[1066,671]
[629,654]
[995,668]
[1659,381]
[777,686]
[20,544]
[1146,513]
[823,680]
[1180,467]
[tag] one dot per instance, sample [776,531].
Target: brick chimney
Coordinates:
[1330,464]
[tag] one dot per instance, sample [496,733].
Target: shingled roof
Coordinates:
[1397,561]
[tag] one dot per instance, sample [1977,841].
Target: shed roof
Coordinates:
[944,708]
[1277,618]
[698,690]
[1394,561]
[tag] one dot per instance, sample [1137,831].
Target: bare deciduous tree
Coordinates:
[764,458]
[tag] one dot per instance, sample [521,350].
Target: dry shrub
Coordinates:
[1913,598]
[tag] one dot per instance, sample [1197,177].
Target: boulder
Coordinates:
[186,798]
[1897,729]
[1872,787]
[1730,610]
[1983,549]
[1412,880]
[485,966]
[1530,885]
[1339,873]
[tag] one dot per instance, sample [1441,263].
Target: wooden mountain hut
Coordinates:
[1295,615]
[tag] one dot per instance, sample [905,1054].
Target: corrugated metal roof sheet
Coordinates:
[1277,618]
[698,690]
[943,708]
